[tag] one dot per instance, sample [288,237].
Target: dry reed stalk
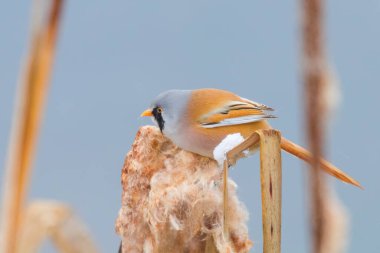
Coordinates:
[172,201]
[55,221]
[271,183]
[313,77]
[225,200]
[26,122]
[210,246]
[271,189]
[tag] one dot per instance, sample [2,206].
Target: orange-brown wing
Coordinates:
[234,113]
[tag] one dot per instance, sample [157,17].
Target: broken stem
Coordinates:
[271,189]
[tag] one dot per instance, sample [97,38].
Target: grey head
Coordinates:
[168,108]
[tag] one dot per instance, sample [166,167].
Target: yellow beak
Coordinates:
[147,113]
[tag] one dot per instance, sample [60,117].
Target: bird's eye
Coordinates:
[159,110]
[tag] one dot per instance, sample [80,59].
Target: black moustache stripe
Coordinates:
[158,117]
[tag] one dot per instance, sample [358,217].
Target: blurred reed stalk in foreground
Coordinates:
[328,218]
[25,226]
[313,74]
[27,117]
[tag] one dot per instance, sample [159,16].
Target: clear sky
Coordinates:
[114,57]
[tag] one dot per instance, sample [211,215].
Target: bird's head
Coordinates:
[168,109]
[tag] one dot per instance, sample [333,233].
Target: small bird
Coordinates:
[198,120]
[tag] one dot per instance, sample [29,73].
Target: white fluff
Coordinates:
[175,223]
[227,144]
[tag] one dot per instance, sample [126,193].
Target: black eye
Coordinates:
[159,110]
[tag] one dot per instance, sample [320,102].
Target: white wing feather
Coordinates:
[238,121]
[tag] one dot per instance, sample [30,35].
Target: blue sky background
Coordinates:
[114,57]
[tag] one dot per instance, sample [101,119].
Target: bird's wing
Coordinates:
[235,112]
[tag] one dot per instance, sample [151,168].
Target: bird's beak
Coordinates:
[147,113]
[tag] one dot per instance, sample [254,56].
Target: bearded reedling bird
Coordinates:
[198,120]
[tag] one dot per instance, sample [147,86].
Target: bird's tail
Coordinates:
[305,155]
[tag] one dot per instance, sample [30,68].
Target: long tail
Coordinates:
[305,155]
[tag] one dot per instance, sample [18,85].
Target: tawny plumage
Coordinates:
[198,120]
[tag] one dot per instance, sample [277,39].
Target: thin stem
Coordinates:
[313,74]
